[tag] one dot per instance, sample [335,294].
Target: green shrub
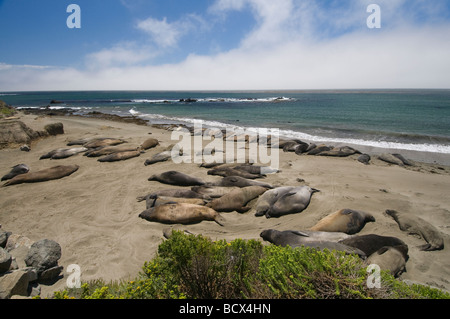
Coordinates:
[196,267]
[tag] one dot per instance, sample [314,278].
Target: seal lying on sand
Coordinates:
[292,202]
[43,175]
[237,199]
[176,178]
[298,239]
[161,200]
[174,193]
[181,214]
[416,225]
[230,171]
[120,156]
[266,200]
[392,259]
[61,153]
[149,143]
[99,142]
[213,191]
[16,170]
[371,243]
[345,220]
[108,150]
[237,181]
[160,157]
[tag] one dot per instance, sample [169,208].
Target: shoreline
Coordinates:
[93,213]
[438,159]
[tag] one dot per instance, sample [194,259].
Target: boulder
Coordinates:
[54,129]
[5,260]
[14,283]
[16,132]
[43,254]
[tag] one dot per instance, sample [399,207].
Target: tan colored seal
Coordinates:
[345,220]
[48,174]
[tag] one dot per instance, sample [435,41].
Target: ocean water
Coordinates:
[413,120]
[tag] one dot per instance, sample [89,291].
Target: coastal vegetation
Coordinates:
[196,267]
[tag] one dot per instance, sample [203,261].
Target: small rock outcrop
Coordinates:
[25,264]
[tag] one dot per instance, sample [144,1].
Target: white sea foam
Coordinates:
[433,148]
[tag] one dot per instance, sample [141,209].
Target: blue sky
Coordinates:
[224,44]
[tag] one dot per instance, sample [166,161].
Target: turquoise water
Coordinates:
[402,119]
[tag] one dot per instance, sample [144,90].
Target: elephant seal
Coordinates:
[416,225]
[229,171]
[371,243]
[364,158]
[65,153]
[343,151]
[181,214]
[149,143]
[240,182]
[391,159]
[108,150]
[237,199]
[160,157]
[318,149]
[176,178]
[345,220]
[185,193]
[53,152]
[298,239]
[256,169]
[161,200]
[48,174]
[213,191]
[266,200]
[99,142]
[292,202]
[16,170]
[120,156]
[391,259]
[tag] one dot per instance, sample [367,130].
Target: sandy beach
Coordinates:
[93,214]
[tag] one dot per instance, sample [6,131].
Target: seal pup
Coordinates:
[181,214]
[391,259]
[266,200]
[120,156]
[292,202]
[238,181]
[48,174]
[371,243]
[237,199]
[416,225]
[52,152]
[299,239]
[16,170]
[176,178]
[391,159]
[345,220]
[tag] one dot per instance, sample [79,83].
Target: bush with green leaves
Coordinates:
[196,267]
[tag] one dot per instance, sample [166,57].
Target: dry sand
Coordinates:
[93,213]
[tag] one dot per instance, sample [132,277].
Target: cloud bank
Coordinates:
[293,45]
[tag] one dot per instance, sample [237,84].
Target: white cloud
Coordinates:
[167,35]
[287,49]
[120,55]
